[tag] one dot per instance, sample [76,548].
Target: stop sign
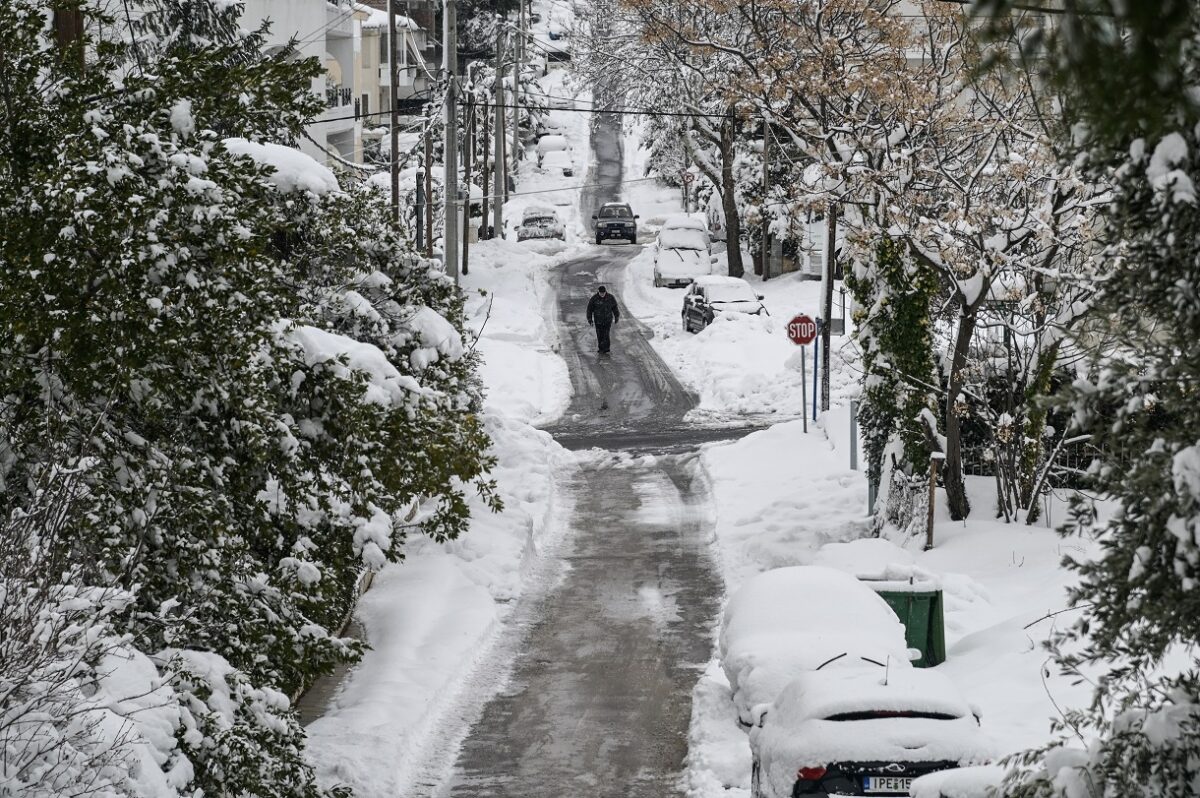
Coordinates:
[802,330]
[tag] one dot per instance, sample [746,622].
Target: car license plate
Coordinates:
[887,784]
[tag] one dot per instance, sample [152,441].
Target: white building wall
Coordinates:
[330,33]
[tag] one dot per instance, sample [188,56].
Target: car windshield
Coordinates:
[615,213]
[876,714]
[725,294]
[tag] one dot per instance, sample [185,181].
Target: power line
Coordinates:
[341,17]
[528,107]
[618,110]
[567,188]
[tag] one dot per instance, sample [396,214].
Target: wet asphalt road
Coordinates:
[598,700]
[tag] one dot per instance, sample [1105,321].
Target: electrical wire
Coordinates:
[566,188]
[341,17]
[620,110]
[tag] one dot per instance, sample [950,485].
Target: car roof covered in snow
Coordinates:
[721,279]
[683,221]
[789,620]
[552,142]
[537,211]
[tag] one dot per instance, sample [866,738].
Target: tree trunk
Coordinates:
[733,226]
[1034,431]
[952,476]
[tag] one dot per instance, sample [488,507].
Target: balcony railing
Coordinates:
[337,96]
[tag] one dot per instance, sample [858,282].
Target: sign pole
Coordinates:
[803,389]
[802,331]
[816,372]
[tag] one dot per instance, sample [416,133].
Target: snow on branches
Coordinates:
[249,376]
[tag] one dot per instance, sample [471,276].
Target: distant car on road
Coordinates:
[715,294]
[862,731]
[551,143]
[615,220]
[550,126]
[540,222]
[559,162]
[682,252]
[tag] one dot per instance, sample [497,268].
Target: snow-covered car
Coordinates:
[615,220]
[549,126]
[709,296]
[558,29]
[788,621]
[559,163]
[540,222]
[682,252]
[862,731]
[549,144]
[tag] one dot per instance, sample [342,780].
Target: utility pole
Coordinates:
[450,199]
[419,220]
[394,99]
[483,219]
[499,161]
[468,156]
[827,297]
[765,264]
[517,52]
[428,182]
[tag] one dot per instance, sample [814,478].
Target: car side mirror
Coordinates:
[594,216]
[635,216]
[760,297]
[758,713]
[713,259]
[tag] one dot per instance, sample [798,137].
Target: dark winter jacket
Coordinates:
[603,309]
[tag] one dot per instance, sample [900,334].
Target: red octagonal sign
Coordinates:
[802,330]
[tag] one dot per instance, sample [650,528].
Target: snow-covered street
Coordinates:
[599,697]
[624,399]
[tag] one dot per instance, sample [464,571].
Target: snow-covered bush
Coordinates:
[1135,394]
[893,299]
[248,373]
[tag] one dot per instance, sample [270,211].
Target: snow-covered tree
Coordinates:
[1135,128]
[251,379]
[633,51]
[893,300]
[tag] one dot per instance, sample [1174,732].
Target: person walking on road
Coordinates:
[602,311]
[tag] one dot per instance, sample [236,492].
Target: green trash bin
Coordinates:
[919,608]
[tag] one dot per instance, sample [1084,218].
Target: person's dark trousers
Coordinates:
[602,335]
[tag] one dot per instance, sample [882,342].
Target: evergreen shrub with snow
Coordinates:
[892,299]
[256,388]
[1137,634]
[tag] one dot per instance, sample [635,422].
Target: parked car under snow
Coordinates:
[716,294]
[540,222]
[862,731]
[558,163]
[789,621]
[682,252]
[551,143]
